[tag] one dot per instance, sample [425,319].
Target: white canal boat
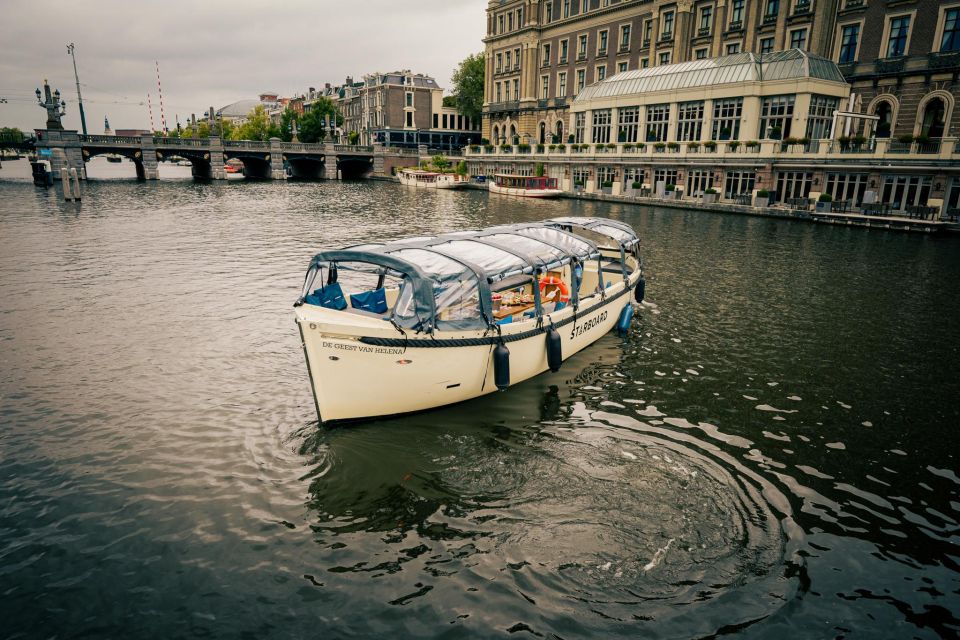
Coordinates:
[525,186]
[431,179]
[406,325]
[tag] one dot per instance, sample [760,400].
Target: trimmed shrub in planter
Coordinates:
[753,144]
[693,146]
[539,148]
[823,202]
[673,146]
[488,148]
[905,138]
[670,188]
[635,187]
[733,144]
[611,145]
[628,146]
[506,148]
[710,145]
[552,147]
[606,186]
[709,196]
[484,141]
[659,146]
[523,148]
[641,146]
[475,148]
[578,186]
[570,139]
[762,199]
[562,148]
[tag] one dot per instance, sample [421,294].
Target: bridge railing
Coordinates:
[301,146]
[352,148]
[246,144]
[181,142]
[111,140]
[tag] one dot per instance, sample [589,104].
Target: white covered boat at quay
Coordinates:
[406,325]
[524,186]
[431,179]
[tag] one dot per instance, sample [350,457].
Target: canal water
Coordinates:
[770,453]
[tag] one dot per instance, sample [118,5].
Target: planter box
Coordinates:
[709,198]
[823,207]
[761,202]
[606,190]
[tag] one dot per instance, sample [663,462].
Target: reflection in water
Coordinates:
[766,454]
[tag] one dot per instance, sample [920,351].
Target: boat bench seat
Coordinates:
[329,297]
[374,301]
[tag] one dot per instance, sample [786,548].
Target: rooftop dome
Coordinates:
[793,64]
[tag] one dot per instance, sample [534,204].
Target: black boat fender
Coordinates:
[501,366]
[554,350]
[623,322]
[640,289]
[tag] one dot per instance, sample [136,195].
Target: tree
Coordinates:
[440,163]
[353,137]
[257,126]
[313,123]
[288,119]
[468,86]
[462,168]
[450,102]
[538,170]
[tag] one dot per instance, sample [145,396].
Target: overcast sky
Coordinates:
[214,53]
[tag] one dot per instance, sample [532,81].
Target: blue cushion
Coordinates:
[374,301]
[506,320]
[560,305]
[330,296]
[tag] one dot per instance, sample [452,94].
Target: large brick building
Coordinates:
[902,57]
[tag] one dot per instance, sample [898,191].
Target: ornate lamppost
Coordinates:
[56,108]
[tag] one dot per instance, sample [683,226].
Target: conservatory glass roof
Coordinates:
[793,64]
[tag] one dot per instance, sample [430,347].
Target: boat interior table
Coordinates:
[511,309]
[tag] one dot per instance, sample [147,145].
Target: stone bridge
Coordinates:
[273,159]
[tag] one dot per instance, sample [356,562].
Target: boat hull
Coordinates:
[525,193]
[447,181]
[368,370]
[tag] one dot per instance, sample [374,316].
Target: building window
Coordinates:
[562,84]
[798,39]
[736,14]
[665,57]
[445,121]
[700,54]
[499,94]
[436,120]
[622,66]
[606,174]
[738,183]
[563,51]
[508,59]
[726,119]
[582,47]
[733,48]
[409,118]
[776,116]
[706,19]
[766,45]
[951,31]
[658,117]
[579,122]
[629,120]
[601,72]
[666,176]
[624,37]
[773,8]
[510,21]
[602,43]
[847,186]
[849,37]
[499,62]
[904,191]
[516,58]
[516,89]
[601,126]
[544,87]
[548,13]
[698,181]
[500,23]
[520,18]
[667,32]
[566,8]
[644,63]
[897,43]
[793,184]
[689,121]
[581,79]
[545,62]
[581,175]
[409,99]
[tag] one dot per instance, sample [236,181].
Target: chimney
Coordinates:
[349,80]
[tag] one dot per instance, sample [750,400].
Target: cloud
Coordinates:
[213,53]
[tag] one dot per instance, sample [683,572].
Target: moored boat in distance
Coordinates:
[525,186]
[431,179]
[405,325]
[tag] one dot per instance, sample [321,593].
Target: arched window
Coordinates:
[496,135]
[560,131]
[934,114]
[513,134]
[543,133]
[884,111]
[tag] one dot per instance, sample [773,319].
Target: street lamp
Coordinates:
[83,119]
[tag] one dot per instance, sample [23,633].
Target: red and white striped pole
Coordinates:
[150,110]
[163,118]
